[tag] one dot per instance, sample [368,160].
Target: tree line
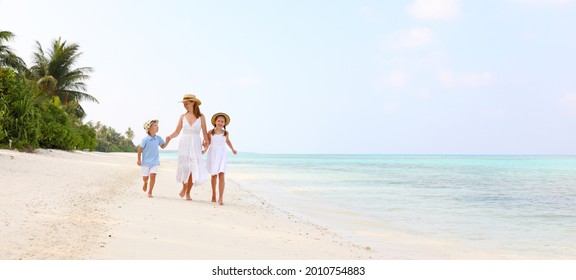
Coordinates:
[40,105]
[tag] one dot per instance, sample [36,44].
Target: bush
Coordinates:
[20,115]
[31,120]
[88,138]
[56,129]
[2,113]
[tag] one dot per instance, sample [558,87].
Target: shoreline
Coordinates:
[90,206]
[60,205]
[246,227]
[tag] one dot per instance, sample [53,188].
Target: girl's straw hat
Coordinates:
[190,98]
[148,124]
[226,118]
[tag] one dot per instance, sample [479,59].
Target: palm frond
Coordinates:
[59,63]
[78,96]
[7,57]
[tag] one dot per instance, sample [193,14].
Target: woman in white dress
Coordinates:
[217,158]
[191,168]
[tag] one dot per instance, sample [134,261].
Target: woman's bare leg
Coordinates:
[189,187]
[183,191]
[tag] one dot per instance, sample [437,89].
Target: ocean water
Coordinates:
[514,207]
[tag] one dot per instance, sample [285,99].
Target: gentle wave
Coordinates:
[516,206]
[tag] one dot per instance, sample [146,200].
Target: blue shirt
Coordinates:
[150,156]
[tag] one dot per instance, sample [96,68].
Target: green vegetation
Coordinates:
[40,106]
[111,141]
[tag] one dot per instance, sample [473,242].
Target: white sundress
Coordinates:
[217,156]
[190,160]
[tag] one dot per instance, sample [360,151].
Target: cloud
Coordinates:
[449,79]
[413,38]
[435,9]
[568,102]
[548,2]
[397,79]
[390,107]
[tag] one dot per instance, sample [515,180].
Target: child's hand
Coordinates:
[204,151]
[139,163]
[234,151]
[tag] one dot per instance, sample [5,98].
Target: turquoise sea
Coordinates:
[514,207]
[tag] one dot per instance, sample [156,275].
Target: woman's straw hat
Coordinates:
[190,98]
[148,124]
[226,118]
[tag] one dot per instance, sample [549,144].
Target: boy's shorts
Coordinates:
[146,170]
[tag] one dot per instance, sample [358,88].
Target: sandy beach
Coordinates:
[90,206]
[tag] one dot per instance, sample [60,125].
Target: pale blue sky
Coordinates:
[434,77]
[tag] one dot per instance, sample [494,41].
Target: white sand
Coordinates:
[76,205]
[53,202]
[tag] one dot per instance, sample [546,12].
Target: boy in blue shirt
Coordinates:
[148,156]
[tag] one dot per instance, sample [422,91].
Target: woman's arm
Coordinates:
[206,141]
[178,129]
[209,140]
[209,136]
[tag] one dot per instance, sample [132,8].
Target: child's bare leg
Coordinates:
[145,186]
[189,187]
[214,177]
[221,187]
[152,181]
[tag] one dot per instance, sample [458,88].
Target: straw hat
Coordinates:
[226,118]
[148,124]
[190,98]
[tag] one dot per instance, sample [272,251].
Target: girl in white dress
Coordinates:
[217,157]
[191,168]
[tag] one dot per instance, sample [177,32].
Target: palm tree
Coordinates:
[56,76]
[7,57]
[130,134]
